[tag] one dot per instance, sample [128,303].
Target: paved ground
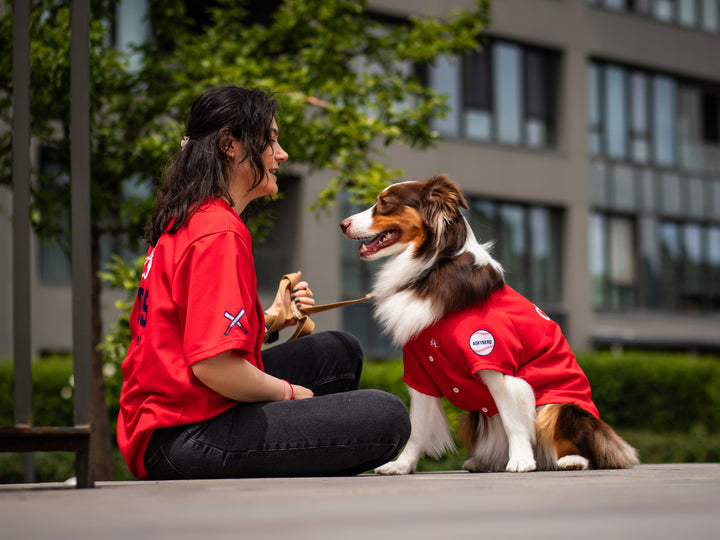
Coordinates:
[649,502]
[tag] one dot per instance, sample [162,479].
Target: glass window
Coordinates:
[514,246]
[640,129]
[613,261]
[696,197]
[598,260]
[649,190]
[648,270]
[594,114]
[689,127]
[507,92]
[687,14]
[692,285]
[670,264]
[477,95]
[615,113]
[540,94]
[710,15]
[132,29]
[671,194]
[714,209]
[622,262]
[664,120]
[623,188]
[713,263]
[598,188]
[444,78]
[620,5]
[483,220]
[527,242]
[545,227]
[663,10]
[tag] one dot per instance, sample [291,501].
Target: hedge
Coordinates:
[667,405]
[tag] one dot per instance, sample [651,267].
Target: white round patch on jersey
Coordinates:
[482,342]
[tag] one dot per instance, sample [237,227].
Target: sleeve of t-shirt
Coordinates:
[488,343]
[213,287]
[415,376]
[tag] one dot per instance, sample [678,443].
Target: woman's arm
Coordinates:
[234,377]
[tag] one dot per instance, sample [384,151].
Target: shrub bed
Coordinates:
[666,405]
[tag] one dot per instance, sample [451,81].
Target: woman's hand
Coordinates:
[300,295]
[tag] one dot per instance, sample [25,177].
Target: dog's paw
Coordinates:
[573,463]
[396,467]
[475,465]
[522,464]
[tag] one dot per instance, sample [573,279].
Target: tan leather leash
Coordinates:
[304,325]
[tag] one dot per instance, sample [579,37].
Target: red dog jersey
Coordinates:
[197,298]
[507,333]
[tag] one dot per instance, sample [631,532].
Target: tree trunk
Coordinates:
[100,444]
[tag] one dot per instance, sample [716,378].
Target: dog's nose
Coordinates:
[344,224]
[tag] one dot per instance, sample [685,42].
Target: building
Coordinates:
[586,136]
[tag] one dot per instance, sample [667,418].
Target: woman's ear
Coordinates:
[227,143]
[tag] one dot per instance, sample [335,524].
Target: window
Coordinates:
[612,261]
[654,188]
[698,14]
[652,118]
[664,120]
[504,93]
[527,242]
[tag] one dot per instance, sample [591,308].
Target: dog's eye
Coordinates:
[384,203]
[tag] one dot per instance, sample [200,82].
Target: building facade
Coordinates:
[586,137]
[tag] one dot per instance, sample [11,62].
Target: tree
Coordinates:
[345,78]
[347,81]
[117,158]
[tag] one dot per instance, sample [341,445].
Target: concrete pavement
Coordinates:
[679,501]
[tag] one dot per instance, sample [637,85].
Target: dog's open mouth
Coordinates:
[381,241]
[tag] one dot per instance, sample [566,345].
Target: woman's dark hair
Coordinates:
[199,171]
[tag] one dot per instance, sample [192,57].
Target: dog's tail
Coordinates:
[570,429]
[468,428]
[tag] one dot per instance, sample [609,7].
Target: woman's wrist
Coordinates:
[288,391]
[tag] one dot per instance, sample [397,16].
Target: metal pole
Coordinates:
[80,208]
[21,213]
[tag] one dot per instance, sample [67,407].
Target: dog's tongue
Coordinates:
[381,241]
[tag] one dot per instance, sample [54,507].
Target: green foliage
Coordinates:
[661,436]
[660,392]
[51,379]
[345,80]
[666,405]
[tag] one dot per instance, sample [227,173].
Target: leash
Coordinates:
[304,325]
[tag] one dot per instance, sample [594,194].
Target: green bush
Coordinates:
[51,379]
[657,392]
[666,405]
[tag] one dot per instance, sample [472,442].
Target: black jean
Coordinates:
[342,431]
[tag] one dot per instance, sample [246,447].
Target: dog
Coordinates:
[468,336]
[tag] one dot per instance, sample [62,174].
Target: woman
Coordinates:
[200,399]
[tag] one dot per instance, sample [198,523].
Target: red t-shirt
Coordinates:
[507,333]
[197,298]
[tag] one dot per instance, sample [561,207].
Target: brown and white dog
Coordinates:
[469,337]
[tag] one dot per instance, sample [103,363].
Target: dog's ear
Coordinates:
[443,191]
